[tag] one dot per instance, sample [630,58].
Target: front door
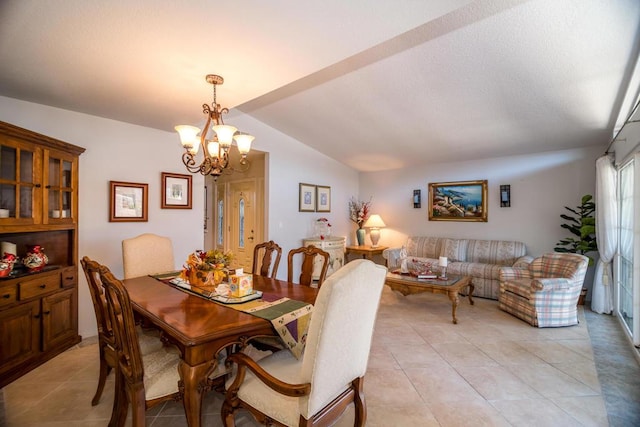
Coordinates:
[243,223]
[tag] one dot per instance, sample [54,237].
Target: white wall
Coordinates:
[123,152]
[541,185]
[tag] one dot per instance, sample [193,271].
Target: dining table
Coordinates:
[201,328]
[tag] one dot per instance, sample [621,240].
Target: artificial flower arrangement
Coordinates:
[359,211]
[206,267]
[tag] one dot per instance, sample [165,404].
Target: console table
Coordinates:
[366,251]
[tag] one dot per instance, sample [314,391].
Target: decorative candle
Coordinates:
[442,261]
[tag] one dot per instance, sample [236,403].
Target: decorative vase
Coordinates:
[36,259]
[360,235]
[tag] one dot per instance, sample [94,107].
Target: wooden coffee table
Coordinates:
[407,284]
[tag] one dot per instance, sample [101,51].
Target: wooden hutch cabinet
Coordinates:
[38,206]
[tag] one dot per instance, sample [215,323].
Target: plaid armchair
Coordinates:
[546,293]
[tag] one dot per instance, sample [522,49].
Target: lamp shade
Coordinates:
[224,134]
[244,142]
[188,135]
[374,221]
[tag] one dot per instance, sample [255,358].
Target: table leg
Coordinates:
[193,379]
[453,296]
[471,289]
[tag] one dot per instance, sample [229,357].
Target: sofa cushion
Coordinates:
[424,247]
[455,250]
[500,252]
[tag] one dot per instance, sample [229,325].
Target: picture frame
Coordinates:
[323,198]
[458,201]
[307,198]
[129,202]
[176,191]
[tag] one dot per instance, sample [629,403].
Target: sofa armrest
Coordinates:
[511,273]
[392,255]
[523,262]
[551,284]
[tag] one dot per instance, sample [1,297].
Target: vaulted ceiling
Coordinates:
[376,84]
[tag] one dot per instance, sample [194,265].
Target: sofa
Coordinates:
[480,259]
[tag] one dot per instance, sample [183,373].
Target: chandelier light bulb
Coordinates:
[225,134]
[244,142]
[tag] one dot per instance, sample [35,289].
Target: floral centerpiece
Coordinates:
[206,267]
[359,211]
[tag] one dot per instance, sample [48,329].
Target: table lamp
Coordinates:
[375,223]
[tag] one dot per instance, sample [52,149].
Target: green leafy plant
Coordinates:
[583,225]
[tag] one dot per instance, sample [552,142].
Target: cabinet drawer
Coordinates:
[39,286]
[69,277]
[8,295]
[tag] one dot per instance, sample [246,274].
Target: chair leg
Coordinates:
[360,404]
[138,406]
[120,403]
[102,379]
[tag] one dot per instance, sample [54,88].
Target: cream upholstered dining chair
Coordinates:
[142,380]
[309,254]
[147,254]
[149,338]
[316,389]
[546,293]
[264,264]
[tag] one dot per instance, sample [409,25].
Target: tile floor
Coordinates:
[490,369]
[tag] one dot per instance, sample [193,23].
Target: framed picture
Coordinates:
[307,202]
[458,201]
[129,202]
[176,191]
[323,198]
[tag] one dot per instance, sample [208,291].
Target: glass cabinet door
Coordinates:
[18,182]
[59,187]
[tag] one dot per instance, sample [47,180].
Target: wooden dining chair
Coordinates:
[149,338]
[309,254]
[317,388]
[263,262]
[142,380]
[147,254]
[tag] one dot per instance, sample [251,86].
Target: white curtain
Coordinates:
[606,234]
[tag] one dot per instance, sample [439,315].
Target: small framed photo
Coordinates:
[458,201]
[176,191]
[129,202]
[323,198]
[307,201]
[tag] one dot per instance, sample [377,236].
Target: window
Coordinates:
[241,223]
[220,227]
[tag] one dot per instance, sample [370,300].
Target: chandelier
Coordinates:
[215,149]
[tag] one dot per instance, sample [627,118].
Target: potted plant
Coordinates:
[583,225]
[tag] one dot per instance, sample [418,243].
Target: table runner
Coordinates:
[290,318]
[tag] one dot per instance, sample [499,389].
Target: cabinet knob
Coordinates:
[37,316]
[43,286]
[38,185]
[47,312]
[6,296]
[47,186]
[69,278]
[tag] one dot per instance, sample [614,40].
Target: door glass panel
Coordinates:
[8,198]
[54,204]
[66,204]
[66,174]
[7,163]
[220,222]
[625,304]
[26,166]
[26,202]
[241,223]
[54,172]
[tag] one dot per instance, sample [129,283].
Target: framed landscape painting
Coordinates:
[128,201]
[176,191]
[458,201]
